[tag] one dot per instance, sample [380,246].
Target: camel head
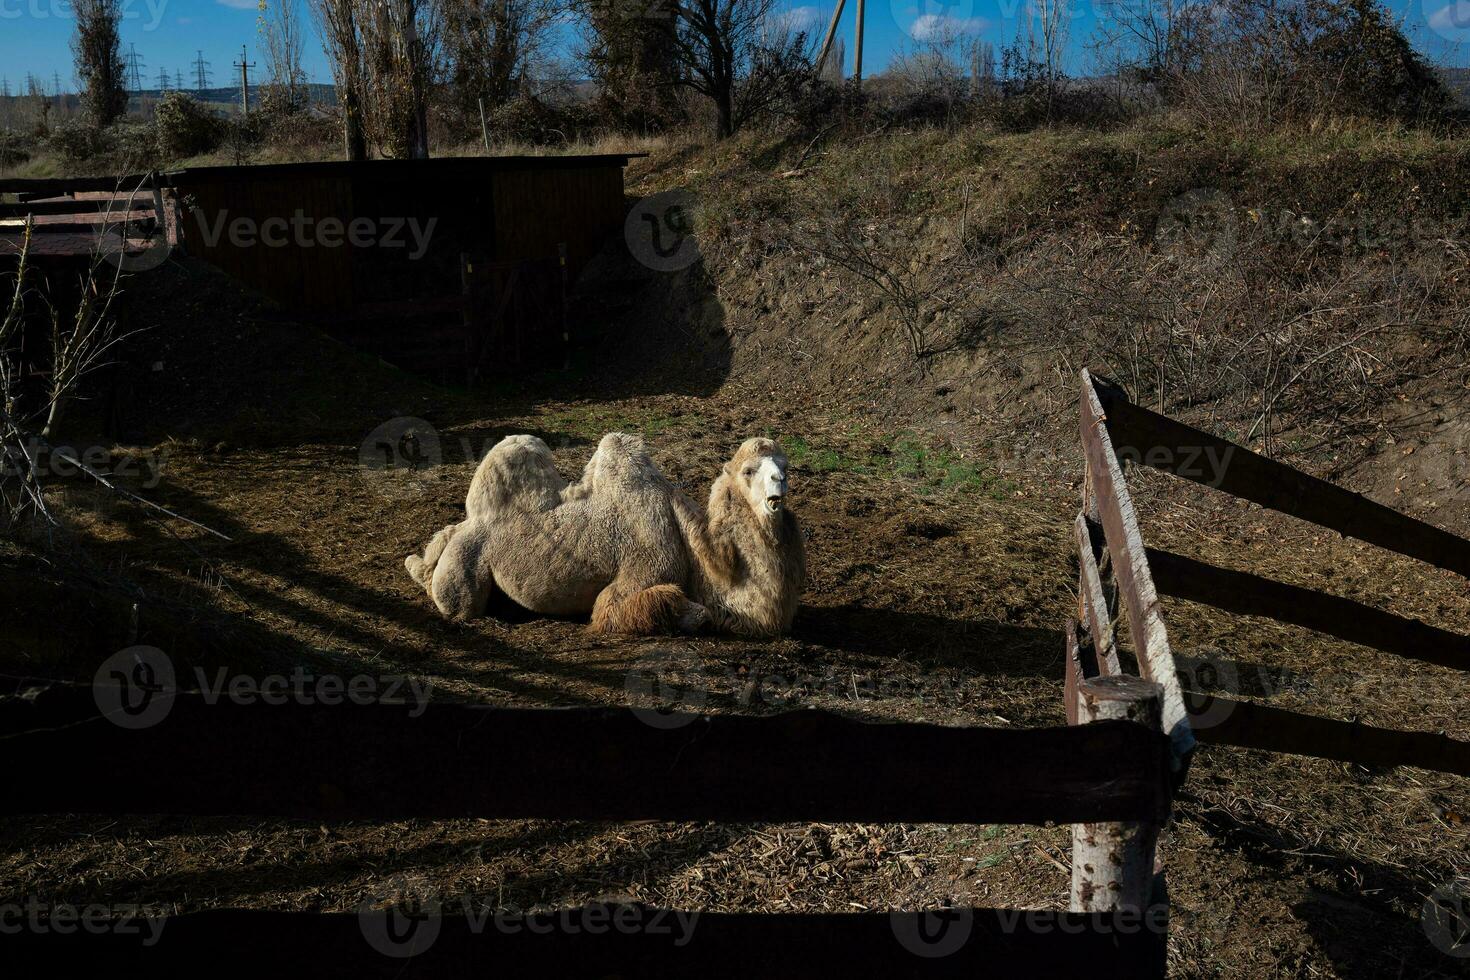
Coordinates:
[758,473]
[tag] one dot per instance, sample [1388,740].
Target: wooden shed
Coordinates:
[412,258]
[288,229]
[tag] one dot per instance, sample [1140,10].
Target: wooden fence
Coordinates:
[71,217]
[1117,570]
[382,761]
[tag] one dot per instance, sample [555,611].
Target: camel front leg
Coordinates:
[662,608]
[462,580]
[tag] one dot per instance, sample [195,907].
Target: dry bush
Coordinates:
[1256,63]
[184,127]
[80,334]
[1232,326]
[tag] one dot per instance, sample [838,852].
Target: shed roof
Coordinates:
[433,168]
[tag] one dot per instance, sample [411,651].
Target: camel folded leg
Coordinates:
[421,567]
[660,608]
[462,580]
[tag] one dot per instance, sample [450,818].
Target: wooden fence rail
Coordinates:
[380,761]
[1114,428]
[1160,442]
[1253,595]
[993,943]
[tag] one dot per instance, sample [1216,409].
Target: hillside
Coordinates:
[1304,293]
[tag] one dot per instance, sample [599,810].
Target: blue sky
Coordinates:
[34,34]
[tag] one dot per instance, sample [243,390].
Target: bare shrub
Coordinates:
[81,334]
[1253,63]
[184,127]
[1315,348]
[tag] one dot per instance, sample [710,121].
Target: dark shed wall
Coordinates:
[509,208]
[316,278]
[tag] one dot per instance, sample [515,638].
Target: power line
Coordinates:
[162,80]
[135,69]
[201,73]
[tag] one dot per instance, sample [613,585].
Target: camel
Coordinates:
[622,544]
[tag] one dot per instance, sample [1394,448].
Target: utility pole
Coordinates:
[857,52]
[244,67]
[56,89]
[162,80]
[201,73]
[831,32]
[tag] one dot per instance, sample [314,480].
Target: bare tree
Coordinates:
[280,30]
[399,43]
[1047,26]
[736,54]
[337,22]
[629,52]
[490,47]
[98,52]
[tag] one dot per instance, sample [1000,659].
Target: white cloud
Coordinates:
[941,27]
[240,4]
[797,19]
[1452,21]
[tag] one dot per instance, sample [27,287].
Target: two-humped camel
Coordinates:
[622,543]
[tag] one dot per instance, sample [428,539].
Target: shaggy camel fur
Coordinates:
[622,543]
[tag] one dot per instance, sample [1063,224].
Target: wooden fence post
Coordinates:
[1113,863]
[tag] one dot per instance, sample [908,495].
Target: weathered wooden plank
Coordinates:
[1073,668]
[1161,442]
[84,206]
[1112,862]
[1094,601]
[1253,595]
[1257,726]
[603,941]
[441,760]
[1130,569]
[56,186]
[137,225]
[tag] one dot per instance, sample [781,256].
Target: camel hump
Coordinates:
[518,473]
[622,460]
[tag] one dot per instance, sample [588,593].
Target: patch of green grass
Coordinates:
[908,457]
[818,460]
[592,423]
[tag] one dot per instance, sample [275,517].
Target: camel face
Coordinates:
[759,469]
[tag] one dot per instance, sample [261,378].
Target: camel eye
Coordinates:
[750,471]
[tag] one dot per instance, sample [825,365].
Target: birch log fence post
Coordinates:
[1113,863]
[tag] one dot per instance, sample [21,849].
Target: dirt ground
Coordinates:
[939,580]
